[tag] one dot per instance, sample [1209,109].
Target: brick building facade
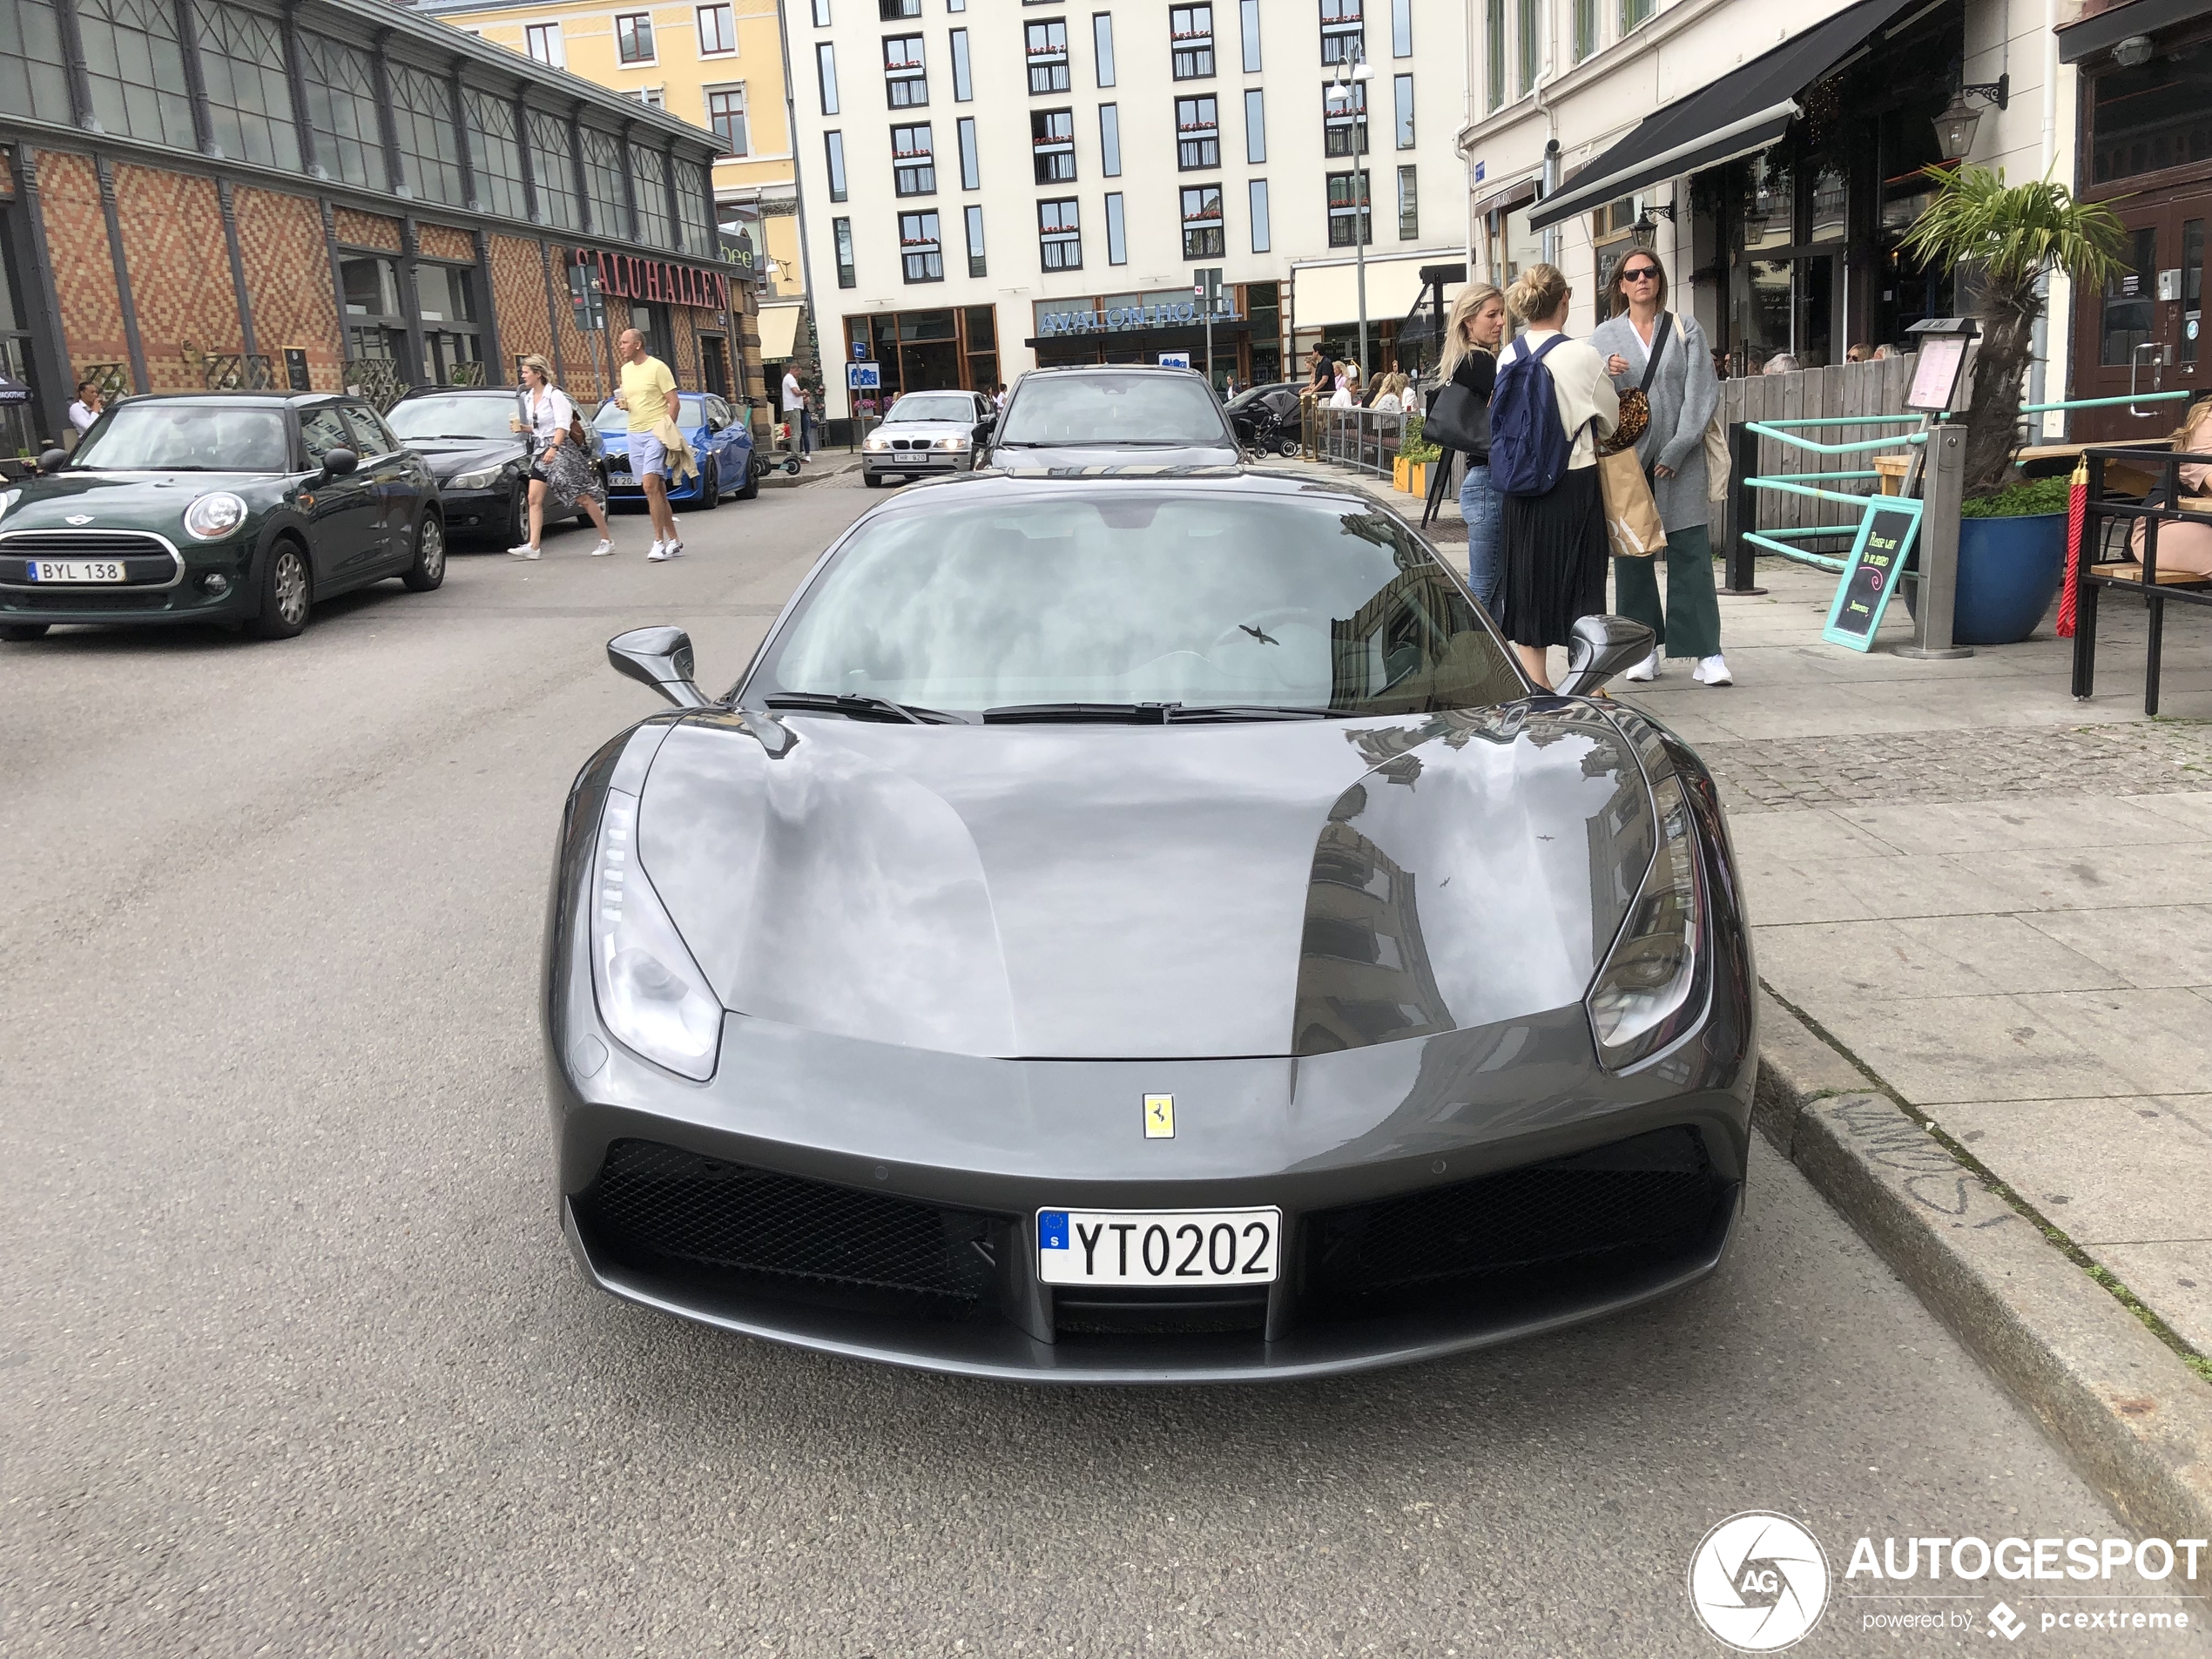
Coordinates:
[335,193]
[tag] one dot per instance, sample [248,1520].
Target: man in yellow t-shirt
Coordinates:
[649,395]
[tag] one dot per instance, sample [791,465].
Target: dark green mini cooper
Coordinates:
[225,507]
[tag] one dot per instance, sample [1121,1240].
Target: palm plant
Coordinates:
[2013,235]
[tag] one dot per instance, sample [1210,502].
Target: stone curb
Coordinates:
[2132,1418]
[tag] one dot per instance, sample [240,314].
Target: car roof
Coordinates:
[505,392]
[243,395]
[1059,369]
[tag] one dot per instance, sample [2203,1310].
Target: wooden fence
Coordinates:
[1848,388]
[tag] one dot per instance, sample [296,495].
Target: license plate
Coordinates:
[1162,1247]
[76,571]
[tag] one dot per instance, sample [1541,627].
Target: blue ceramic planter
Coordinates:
[2009,571]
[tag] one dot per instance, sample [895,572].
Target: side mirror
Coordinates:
[660,658]
[1600,647]
[337,462]
[53,461]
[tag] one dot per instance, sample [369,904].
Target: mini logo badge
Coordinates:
[1159,1117]
[2006,1623]
[78,518]
[1758,1582]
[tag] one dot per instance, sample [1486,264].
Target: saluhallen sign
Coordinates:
[626,276]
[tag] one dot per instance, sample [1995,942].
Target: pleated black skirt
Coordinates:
[1554,553]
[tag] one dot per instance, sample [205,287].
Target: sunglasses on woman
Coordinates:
[1641,274]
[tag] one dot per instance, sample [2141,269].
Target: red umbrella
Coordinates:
[2076,501]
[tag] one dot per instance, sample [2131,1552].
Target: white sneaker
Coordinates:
[525,551]
[657,552]
[1646,669]
[605,548]
[676,549]
[1712,670]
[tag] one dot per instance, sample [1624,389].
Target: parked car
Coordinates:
[480,463]
[1144,929]
[1088,418]
[925,434]
[1268,419]
[228,507]
[721,441]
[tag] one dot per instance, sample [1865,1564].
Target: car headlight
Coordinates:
[1651,988]
[475,480]
[958,440]
[875,446]
[650,993]
[214,515]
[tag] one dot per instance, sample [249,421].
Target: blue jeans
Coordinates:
[1480,505]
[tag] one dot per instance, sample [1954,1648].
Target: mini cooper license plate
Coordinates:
[76,571]
[1159,1247]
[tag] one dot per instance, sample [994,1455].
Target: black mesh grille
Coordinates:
[780,1234]
[1637,1203]
[1142,1312]
[87,599]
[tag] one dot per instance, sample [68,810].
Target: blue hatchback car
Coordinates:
[721,439]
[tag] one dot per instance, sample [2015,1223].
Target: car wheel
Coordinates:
[518,514]
[710,486]
[754,468]
[284,593]
[22,633]
[429,567]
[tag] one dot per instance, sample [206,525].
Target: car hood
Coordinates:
[450,457]
[1135,893]
[1093,460]
[154,501]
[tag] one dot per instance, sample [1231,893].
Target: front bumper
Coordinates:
[172,588]
[914,463]
[486,512]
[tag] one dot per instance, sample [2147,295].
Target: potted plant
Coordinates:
[1415,454]
[2012,542]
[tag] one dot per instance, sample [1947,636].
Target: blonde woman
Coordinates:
[1348,392]
[1471,338]
[561,468]
[2183,546]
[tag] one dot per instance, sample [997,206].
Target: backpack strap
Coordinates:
[1658,350]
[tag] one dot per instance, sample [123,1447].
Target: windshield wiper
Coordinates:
[1150,714]
[857,707]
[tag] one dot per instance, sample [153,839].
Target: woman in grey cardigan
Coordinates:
[1683,394]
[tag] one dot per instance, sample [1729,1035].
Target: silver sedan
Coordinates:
[928,432]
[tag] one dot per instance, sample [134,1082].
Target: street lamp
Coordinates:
[1955,128]
[1358,72]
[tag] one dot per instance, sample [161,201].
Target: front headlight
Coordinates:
[875,446]
[473,480]
[650,993]
[1651,988]
[958,440]
[214,515]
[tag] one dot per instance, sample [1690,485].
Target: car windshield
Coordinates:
[1143,410]
[451,417]
[933,406]
[613,418]
[188,437]
[1139,596]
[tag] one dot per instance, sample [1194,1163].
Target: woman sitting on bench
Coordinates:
[2183,546]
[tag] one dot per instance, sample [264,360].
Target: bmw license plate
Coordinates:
[1162,1247]
[76,571]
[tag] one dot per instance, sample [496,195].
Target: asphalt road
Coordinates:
[293,1362]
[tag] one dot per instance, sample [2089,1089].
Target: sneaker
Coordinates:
[657,552]
[1712,670]
[676,549]
[605,548]
[525,551]
[1646,669]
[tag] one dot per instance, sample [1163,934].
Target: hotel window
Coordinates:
[963,82]
[1493,50]
[826,75]
[1047,51]
[249,104]
[1052,143]
[1060,243]
[341,108]
[897,10]
[905,78]
[429,142]
[1116,230]
[496,157]
[955,5]
[1255,126]
[1585,29]
[920,251]
[1402,28]
[718,31]
[602,177]
[1248,17]
[1348,206]
[971,167]
[1344,31]
[725,119]
[1102,40]
[1409,207]
[1258,191]
[1110,139]
[649,168]
[552,171]
[913,161]
[1198,132]
[634,37]
[1526,37]
[1633,12]
[544,41]
[1202,227]
[821,14]
[834,152]
[976,267]
[1344,118]
[1401,90]
[1191,34]
[841,233]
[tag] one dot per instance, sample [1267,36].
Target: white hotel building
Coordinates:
[994,186]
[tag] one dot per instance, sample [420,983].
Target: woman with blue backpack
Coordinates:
[1552,404]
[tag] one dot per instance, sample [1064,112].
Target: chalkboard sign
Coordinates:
[295,369]
[1870,573]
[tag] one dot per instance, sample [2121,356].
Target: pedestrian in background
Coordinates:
[795,401]
[87,408]
[1323,379]
[1554,542]
[648,396]
[1683,394]
[562,473]
[1470,360]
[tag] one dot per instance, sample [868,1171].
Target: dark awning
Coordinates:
[1744,110]
[2107,29]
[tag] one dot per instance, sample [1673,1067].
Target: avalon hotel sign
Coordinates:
[1119,313]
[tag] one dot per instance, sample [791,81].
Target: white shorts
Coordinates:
[646,455]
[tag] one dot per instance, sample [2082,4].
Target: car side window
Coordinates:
[717,414]
[375,438]
[323,431]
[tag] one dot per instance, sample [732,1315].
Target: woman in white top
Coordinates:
[1348,392]
[561,468]
[1555,543]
